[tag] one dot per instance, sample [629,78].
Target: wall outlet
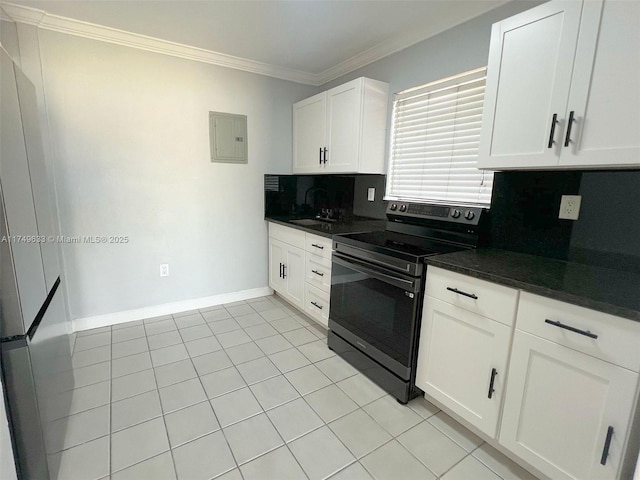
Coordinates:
[164,270]
[371,194]
[570,207]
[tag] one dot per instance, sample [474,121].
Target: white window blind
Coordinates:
[434,143]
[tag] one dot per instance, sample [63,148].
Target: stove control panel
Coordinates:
[449,213]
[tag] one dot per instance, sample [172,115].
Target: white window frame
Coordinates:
[433,161]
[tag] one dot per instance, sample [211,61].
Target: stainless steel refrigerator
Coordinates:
[36,366]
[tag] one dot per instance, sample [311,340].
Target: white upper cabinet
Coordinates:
[342,130]
[605,92]
[309,133]
[562,88]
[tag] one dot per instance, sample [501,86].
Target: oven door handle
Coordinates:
[412,285]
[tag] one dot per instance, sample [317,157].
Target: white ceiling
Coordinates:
[321,39]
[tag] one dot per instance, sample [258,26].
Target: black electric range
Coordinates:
[377,288]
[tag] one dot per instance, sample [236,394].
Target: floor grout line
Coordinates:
[164,421]
[264,411]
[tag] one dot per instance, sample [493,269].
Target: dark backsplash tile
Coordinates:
[524,212]
[307,195]
[523,216]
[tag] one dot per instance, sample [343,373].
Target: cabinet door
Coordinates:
[17,197]
[294,275]
[559,406]
[458,354]
[43,198]
[277,258]
[344,127]
[309,134]
[528,79]
[605,97]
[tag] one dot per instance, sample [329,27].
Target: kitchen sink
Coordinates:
[306,222]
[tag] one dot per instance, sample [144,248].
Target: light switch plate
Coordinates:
[371,194]
[570,207]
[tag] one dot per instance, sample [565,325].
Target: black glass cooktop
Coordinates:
[397,244]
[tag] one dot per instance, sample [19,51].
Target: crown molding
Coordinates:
[56,23]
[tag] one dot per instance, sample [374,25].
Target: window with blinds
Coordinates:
[434,143]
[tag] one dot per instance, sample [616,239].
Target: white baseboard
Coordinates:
[108,319]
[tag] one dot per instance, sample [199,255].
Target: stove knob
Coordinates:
[455,213]
[393,207]
[469,214]
[403,208]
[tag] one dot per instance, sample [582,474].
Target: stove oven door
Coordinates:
[376,310]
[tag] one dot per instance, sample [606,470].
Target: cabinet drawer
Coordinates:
[316,304]
[484,298]
[287,235]
[320,246]
[617,338]
[318,272]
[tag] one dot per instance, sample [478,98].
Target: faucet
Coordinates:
[314,190]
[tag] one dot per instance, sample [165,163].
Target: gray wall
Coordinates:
[453,51]
[130,148]
[130,143]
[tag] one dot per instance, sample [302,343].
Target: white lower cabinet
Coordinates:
[286,271]
[462,362]
[571,390]
[566,413]
[464,345]
[277,258]
[300,270]
[564,395]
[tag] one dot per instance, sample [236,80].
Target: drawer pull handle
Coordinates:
[586,333]
[607,444]
[317,273]
[459,292]
[284,271]
[280,275]
[317,246]
[316,305]
[554,122]
[320,155]
[494,373]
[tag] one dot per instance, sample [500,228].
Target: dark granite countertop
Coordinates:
[606,290]
[329,229]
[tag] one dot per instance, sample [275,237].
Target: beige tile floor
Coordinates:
[248,390]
